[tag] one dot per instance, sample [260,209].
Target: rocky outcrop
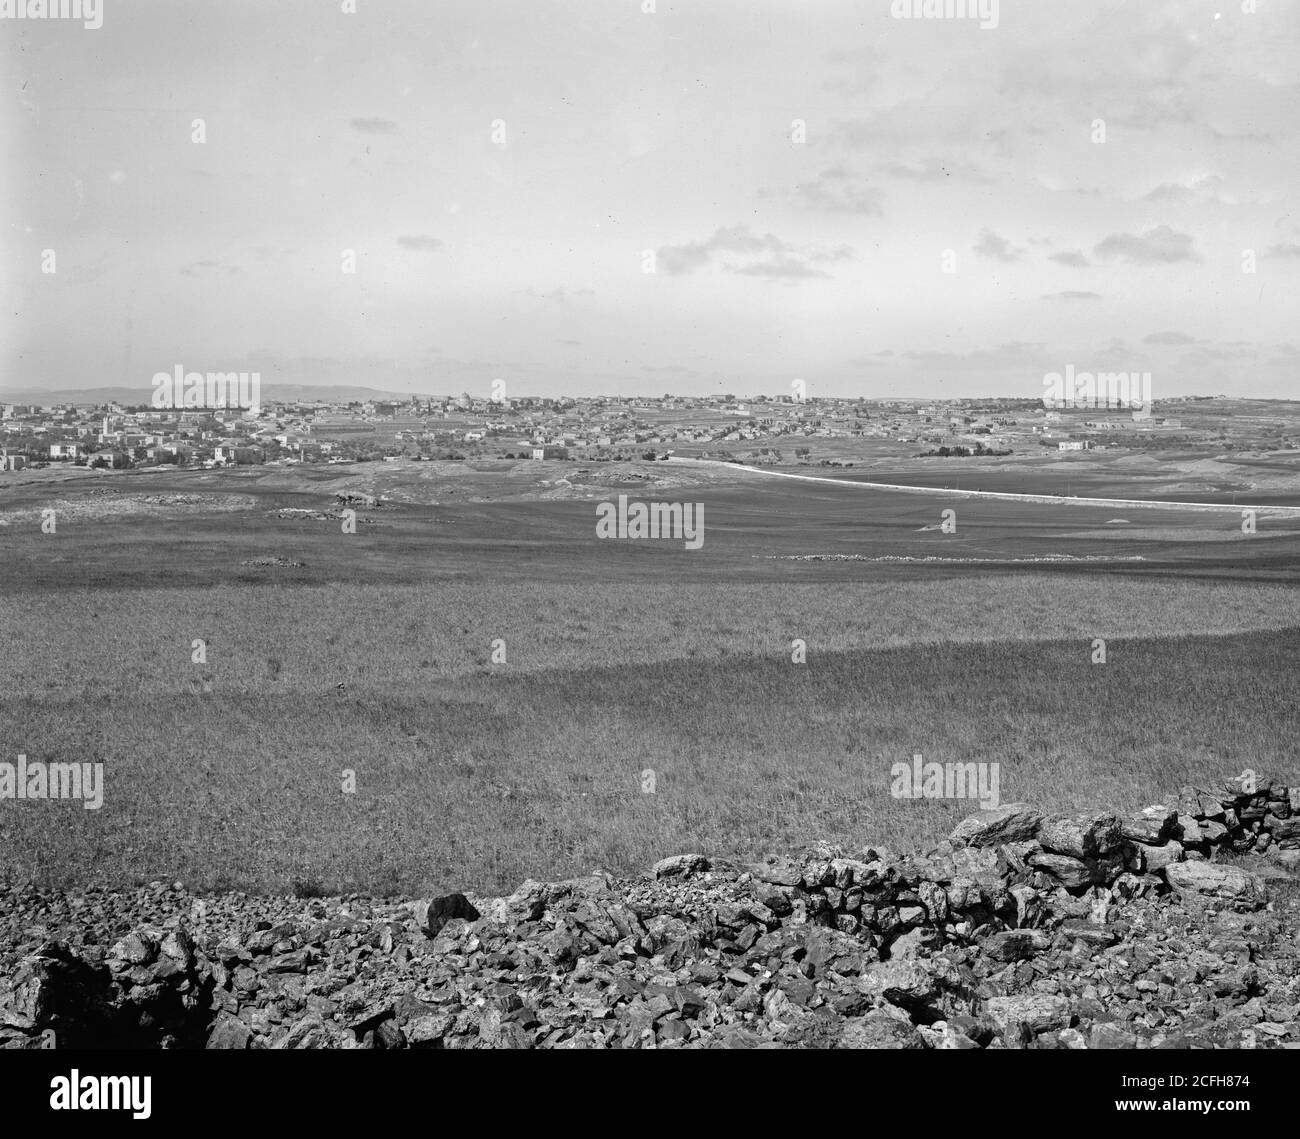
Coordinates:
[1095,930]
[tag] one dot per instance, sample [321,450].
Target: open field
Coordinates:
[374,655]
[1060,496]
[1259,478]
[1228,472]
[530,522]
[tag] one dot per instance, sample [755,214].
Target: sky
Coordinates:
[640,196]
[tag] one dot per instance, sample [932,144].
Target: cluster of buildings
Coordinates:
[116,436]
[113,436]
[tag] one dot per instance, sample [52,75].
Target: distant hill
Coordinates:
[135,395]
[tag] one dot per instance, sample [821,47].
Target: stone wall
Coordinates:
[1021,930]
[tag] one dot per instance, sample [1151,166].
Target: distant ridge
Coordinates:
[141,395]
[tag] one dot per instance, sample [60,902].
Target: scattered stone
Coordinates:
[1010,945]
[1083,931]
[282,563]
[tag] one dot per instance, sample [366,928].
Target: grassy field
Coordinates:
[475,775]
[375,657]
[537,524]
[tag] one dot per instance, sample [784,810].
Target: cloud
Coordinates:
[1010,354]
[1168,338]
[937,170]
[678,260]
[839,191]
[1156,246]
[1242,136]
[1197,190]
[738,239]
[1072,295]
[844,190]
[771,257]
[777,267]
[999,248]
[1233,350]
[420,242]
[1072,258]
[830,252]
[373,126]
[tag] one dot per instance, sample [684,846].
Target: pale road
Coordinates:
[1066,500]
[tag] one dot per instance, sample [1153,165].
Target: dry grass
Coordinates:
[474,776]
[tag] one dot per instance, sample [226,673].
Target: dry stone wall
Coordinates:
[1173,926]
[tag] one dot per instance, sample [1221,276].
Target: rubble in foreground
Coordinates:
[1174,927]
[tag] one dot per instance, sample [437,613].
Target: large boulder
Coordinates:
[1080,836]
[433,914]
[905,983]
[1159,857]
[681,866]
[1075,872]
[1214,879]
[1012,822]
[1286,832]
[879,1030]
[230,1034]
[1010,945]
[1152,825]
[1039,1012]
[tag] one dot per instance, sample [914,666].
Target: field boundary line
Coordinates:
[1068,500]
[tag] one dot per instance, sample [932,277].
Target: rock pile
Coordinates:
[279,562]
[1171,927]
[353,498]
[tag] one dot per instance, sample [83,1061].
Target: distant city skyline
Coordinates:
[355,393]
[1109,183]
